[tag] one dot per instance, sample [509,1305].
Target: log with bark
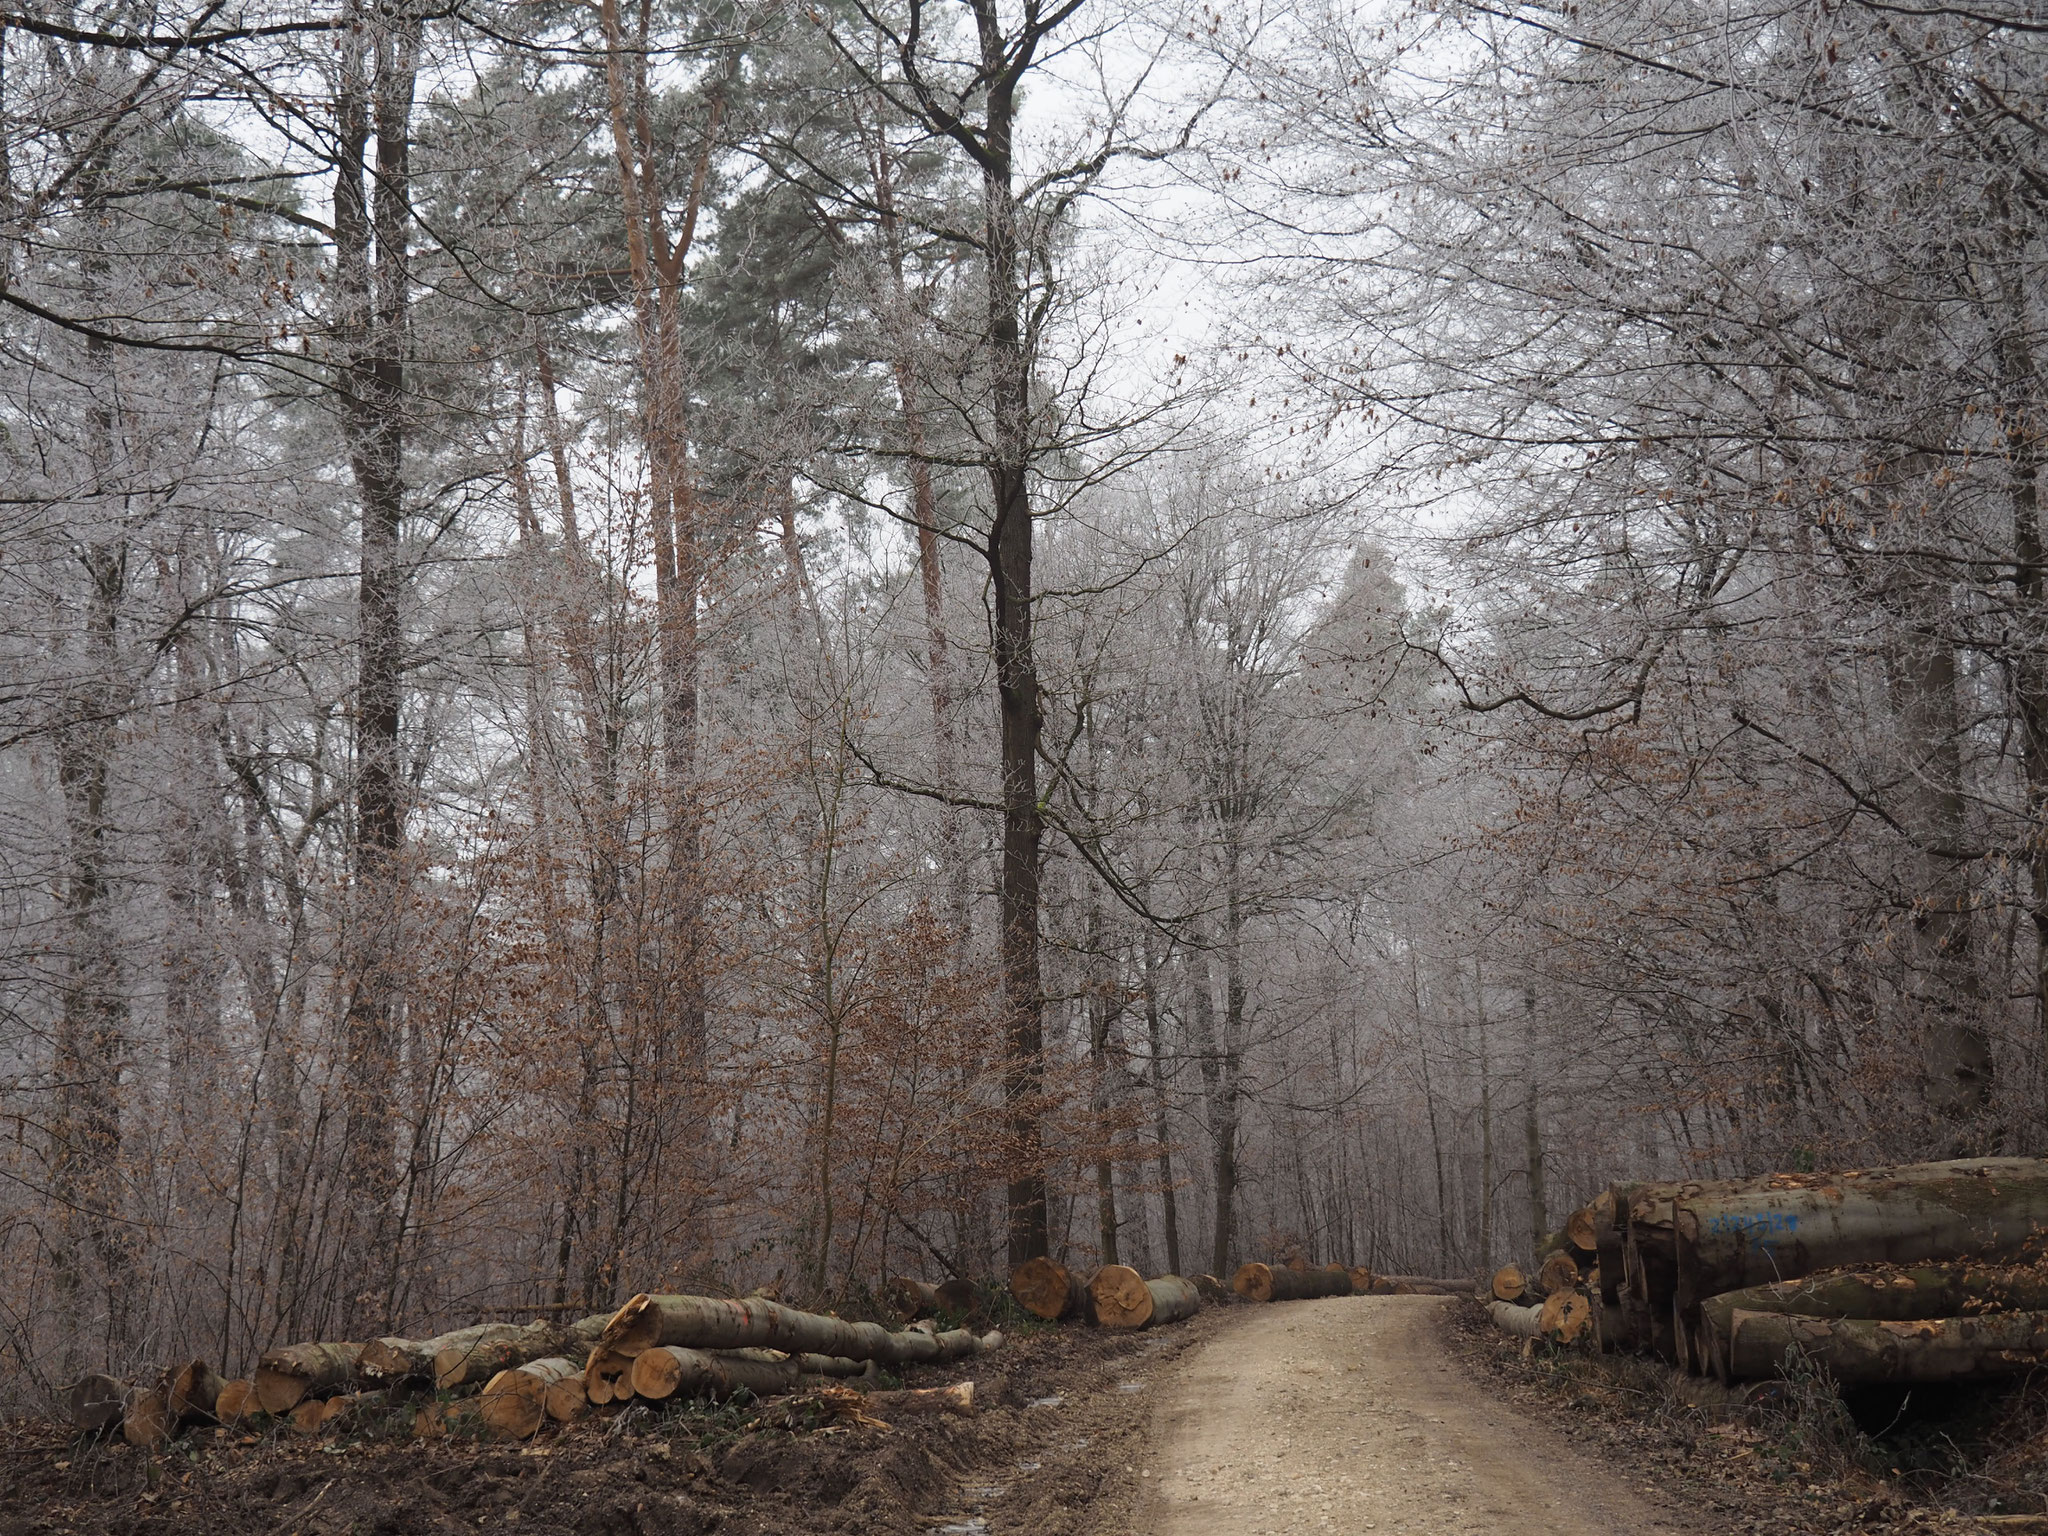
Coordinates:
[912,1299]
[1607,1243]
[392,1362]
[96,1403]
[566,1401]
[287,1377]
[1896,1294]
[1263,1282]
[707,1322]
[443,1417]
[669,1370]
[1976,1208]
[478,1360]
[1049,1290]
[1582,1231]
[1866,1351]
[1125,1299]
[1511,1285]
[1214,1291]
[1512,1317]
[514,1403]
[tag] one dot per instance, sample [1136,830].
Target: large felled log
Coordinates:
[1865,1351]
[607,1377]
[912,1299]
[287,1377]
[95,1403]
[1125,1299]
[957,1297]
[1607,1243]
[1049,1290]
[1560,1272]
[1905,1294]
[146,1420]
[1511,1285]
[707,1322]
[1213,1291]
[392,1362]
[514,1403]
[1981,1208]
[1581,1230]
[1510,1317]
[566,1400]
[236,1405]
[669,1370]
[480,1359]
[190,1392]
[1263,1282]
[1566,1317]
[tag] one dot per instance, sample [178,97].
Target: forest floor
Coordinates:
[1403,1416]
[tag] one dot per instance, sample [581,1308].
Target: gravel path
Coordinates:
[1346,1415]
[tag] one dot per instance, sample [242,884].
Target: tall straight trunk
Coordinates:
[1532,1129]
[372,213]
[670,1000]
[1485,1126]
[1009,552]
[1102,1011]
[1162,1130]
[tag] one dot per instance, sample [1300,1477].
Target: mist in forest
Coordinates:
[664,646]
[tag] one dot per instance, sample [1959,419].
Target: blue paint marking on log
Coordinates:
[1758,1229]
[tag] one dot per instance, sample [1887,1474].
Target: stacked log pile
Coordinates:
[507,1380]
[1914,1273]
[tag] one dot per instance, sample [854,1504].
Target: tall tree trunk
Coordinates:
[1162,1130]
[1532,1128]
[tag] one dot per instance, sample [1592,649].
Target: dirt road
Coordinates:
[1346,1415]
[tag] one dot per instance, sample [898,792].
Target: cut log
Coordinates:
[1510,1284]
[479,1359]
[351,1408]
[308,1416]
[707,1322]
[146,1420]
[669,1370]
[237,1403]
[1361,1281]
[566,1402]
[514,1403]
[1904,1294]
[1263,1282]
[440,1418]
[605,1377]
[287,1377]
[1125,1299]
[1213,1290]
[955,1400]
[96,1403]
[1560,1272]
[912,1299]
[957,1297]
[1566,1317]
[1978,1208]
[394,1361]
[1049,1290]
[1582,1231]
[1510,1317]
[1607,1243]
[191,1392]
[1866,1351]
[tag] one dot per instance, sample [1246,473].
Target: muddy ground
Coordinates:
[1055,1449]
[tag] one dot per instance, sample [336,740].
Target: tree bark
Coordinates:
[1884,1295]
[1520,1321]
[480,1358]
[912,1299]
[514,1403]
[1265,1282]
[95,1403]
[1865,1351]
[1125,1299]
[705,1322]
[1051,1291]
[286,1377]
[391,1362]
